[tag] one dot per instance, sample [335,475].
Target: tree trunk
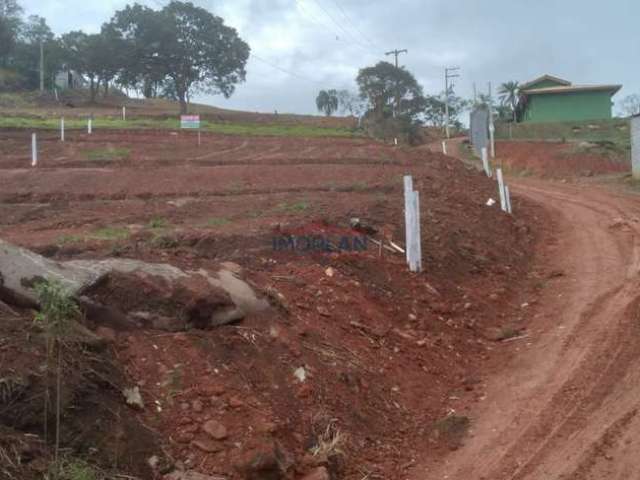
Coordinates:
[92,89]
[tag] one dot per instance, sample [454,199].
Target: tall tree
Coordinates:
[509,92]
[379,84]
[327,101]
[351,103]
[10,21]
[186,44]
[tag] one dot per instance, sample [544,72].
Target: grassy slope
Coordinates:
[29,111]
[174,124]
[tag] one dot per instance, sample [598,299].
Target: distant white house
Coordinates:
[69,79]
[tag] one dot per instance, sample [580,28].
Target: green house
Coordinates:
[552,99]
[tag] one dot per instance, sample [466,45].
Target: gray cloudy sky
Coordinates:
[325,42]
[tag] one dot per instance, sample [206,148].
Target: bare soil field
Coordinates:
[559,160]
[392,362]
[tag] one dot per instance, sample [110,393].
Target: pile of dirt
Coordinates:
[558,160]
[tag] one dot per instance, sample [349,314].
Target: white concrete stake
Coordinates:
[199,139]
[34,150]
[89,126]
[503,200]
[124,114]
[395,142]
[507,196]
[412,225]
[444,147]
[62,129]
[485,162]
[417,236]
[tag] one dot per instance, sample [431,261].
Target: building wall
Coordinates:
[570,106]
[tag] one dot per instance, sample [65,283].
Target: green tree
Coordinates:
[327,101]
[509,93]
[10,22]
[182,43]
[351,103]
[7,40]
[380,84]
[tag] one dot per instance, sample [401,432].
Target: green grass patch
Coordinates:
[174,124]
[111,233]
[158,223]
[217,222]
[293,207]
[69,239]
[108,154]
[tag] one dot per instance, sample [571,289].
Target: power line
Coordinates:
[284,70]
[351,38]
[353,24]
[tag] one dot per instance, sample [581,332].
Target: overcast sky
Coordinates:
[323,43]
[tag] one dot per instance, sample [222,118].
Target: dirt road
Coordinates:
[567,405]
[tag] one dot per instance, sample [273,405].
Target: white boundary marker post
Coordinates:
[395,141]
[417,238]
[34,150]
[485,162]
[408,220]
[62,129]
[199,139]
[124,114]
[503,201]
[412,225]
[507,196]
[90,126]
[444,147]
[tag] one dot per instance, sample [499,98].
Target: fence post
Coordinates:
[34,150]
[503,200]
[412,225]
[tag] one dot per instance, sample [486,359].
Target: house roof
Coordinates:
[551,78]
[574,88]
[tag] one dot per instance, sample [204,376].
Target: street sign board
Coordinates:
[190,121]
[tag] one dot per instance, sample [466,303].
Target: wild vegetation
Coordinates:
[173,52]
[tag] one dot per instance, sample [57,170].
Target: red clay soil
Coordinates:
[558,160]
[566,405]
[390,358]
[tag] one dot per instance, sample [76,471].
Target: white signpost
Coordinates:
[412,225]
[191,122]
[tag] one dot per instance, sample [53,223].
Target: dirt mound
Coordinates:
[554,160]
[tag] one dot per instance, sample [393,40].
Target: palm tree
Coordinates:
[327,101]
[509,92]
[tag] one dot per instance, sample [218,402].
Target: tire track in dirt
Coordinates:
[573,391]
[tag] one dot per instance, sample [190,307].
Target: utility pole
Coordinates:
[449,72]
[41,67]
[396,53]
